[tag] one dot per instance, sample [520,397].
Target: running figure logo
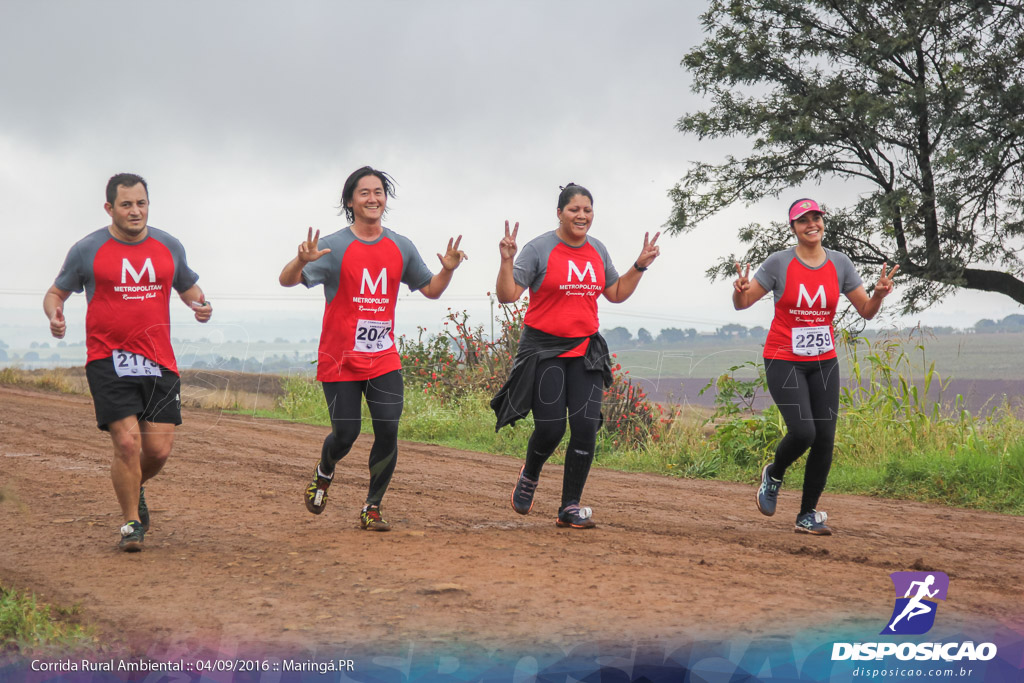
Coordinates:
[914,613]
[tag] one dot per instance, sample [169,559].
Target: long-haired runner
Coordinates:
[361,267]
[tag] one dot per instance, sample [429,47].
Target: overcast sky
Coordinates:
[246,117]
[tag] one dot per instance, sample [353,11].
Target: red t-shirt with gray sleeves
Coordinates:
[564,283]
[128,291]
[805,303]
[361,281]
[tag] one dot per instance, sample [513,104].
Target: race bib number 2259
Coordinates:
[812,341]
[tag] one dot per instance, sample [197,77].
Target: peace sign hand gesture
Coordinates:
[308,251]
[650,251]
[742,283]
[453,256]
[884,286]
[508,246]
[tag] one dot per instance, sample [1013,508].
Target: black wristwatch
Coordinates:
[636,264]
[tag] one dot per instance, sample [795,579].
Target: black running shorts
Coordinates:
[153,399]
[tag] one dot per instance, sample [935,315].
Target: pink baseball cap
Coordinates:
[802,206]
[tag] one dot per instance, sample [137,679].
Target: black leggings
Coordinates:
[564,386]
[807,395]
[384,398]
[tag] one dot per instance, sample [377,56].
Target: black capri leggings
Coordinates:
[384,398]
[563,386]
[807,395]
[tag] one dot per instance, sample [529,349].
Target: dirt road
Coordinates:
[235,562]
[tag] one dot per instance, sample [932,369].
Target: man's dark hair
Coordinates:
[126,179]
[349,189]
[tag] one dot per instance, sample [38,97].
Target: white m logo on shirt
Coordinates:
[127,269]
[803,297]
[382,280]
[574,270]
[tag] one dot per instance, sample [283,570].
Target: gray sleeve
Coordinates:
[73,275]
[184,277]
[772,273]
[414,271]
[319,272]
[849,278]
[76,273]
[529,269]
[611,275]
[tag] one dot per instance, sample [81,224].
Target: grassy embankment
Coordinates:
[892,440]
[27,626]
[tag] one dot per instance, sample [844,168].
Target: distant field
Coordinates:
[963,356]
[982,367]
[960,356]
[985,369]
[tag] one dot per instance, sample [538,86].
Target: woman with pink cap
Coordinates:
[799,354]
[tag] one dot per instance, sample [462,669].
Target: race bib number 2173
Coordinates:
[128,364]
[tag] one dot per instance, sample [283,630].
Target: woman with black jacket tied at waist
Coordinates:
[562,365]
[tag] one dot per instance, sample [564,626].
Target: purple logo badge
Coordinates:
[917,594]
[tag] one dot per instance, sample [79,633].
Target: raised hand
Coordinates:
[58,326]
[452,256]
[650,251]
[884,286]
[308,251]
[742,283]
[508,246]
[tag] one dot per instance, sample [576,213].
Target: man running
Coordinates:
[127,270]
[361,267]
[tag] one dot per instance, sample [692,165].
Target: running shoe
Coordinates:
[316,493]
[371,520]
[143,509]
[813,522]
[522,494]
[132,534]
[576,517]
[768,492]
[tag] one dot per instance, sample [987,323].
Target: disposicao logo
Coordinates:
[917,596]
[914,612]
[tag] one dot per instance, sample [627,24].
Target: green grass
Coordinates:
[890,441]
[30,627]
[466,422]
[963,462]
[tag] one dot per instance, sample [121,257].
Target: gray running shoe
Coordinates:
[522,494]
[576,517]
[132,534]
[813,523]
[768,492]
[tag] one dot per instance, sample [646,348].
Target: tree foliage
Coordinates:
[919,104]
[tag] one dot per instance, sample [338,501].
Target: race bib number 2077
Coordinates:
[372,336]
[812,341]
[128,364]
